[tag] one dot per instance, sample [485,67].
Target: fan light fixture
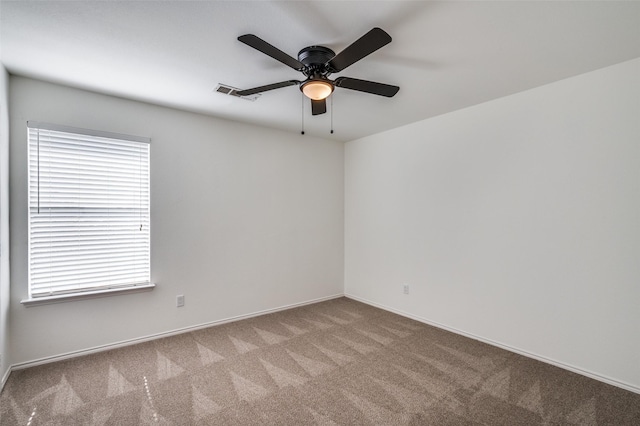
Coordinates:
[317,63]
[317,90]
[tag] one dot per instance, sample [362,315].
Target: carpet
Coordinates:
[338,362]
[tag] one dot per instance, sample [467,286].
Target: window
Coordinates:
[88,212]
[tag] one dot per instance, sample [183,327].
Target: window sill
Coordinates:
[47,300]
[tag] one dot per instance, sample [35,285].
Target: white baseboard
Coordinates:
[592,375]
[5,378]
[129,342]
[142,339]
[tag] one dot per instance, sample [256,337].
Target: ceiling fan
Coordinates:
[318,62]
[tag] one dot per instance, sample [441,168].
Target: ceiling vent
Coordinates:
[233,91]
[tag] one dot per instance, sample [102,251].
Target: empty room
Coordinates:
[320,212]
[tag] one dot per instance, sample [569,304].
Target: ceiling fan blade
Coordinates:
[266,88]
[269,50]
[367,86]
[365,45]
[318,107]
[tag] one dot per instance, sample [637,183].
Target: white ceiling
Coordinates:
[444,55]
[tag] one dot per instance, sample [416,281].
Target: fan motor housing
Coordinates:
[315,59]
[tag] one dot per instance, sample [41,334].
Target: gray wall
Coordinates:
[516,221]
[5,362]
[243,219]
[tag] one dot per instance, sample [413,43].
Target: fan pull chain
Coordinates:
[302,115]
[331,114]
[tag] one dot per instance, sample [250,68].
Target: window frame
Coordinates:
[90,290]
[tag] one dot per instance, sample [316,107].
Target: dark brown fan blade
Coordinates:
[269,50]
[318,107]
[365,45]
[367,86]
[266,88]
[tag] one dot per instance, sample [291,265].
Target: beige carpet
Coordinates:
[337,362]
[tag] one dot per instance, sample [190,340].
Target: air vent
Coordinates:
[233,91]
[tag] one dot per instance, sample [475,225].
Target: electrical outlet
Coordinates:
[406,289]
[179,300]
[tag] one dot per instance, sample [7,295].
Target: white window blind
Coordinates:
[88,211]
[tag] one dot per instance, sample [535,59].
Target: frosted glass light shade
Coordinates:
[317,89]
